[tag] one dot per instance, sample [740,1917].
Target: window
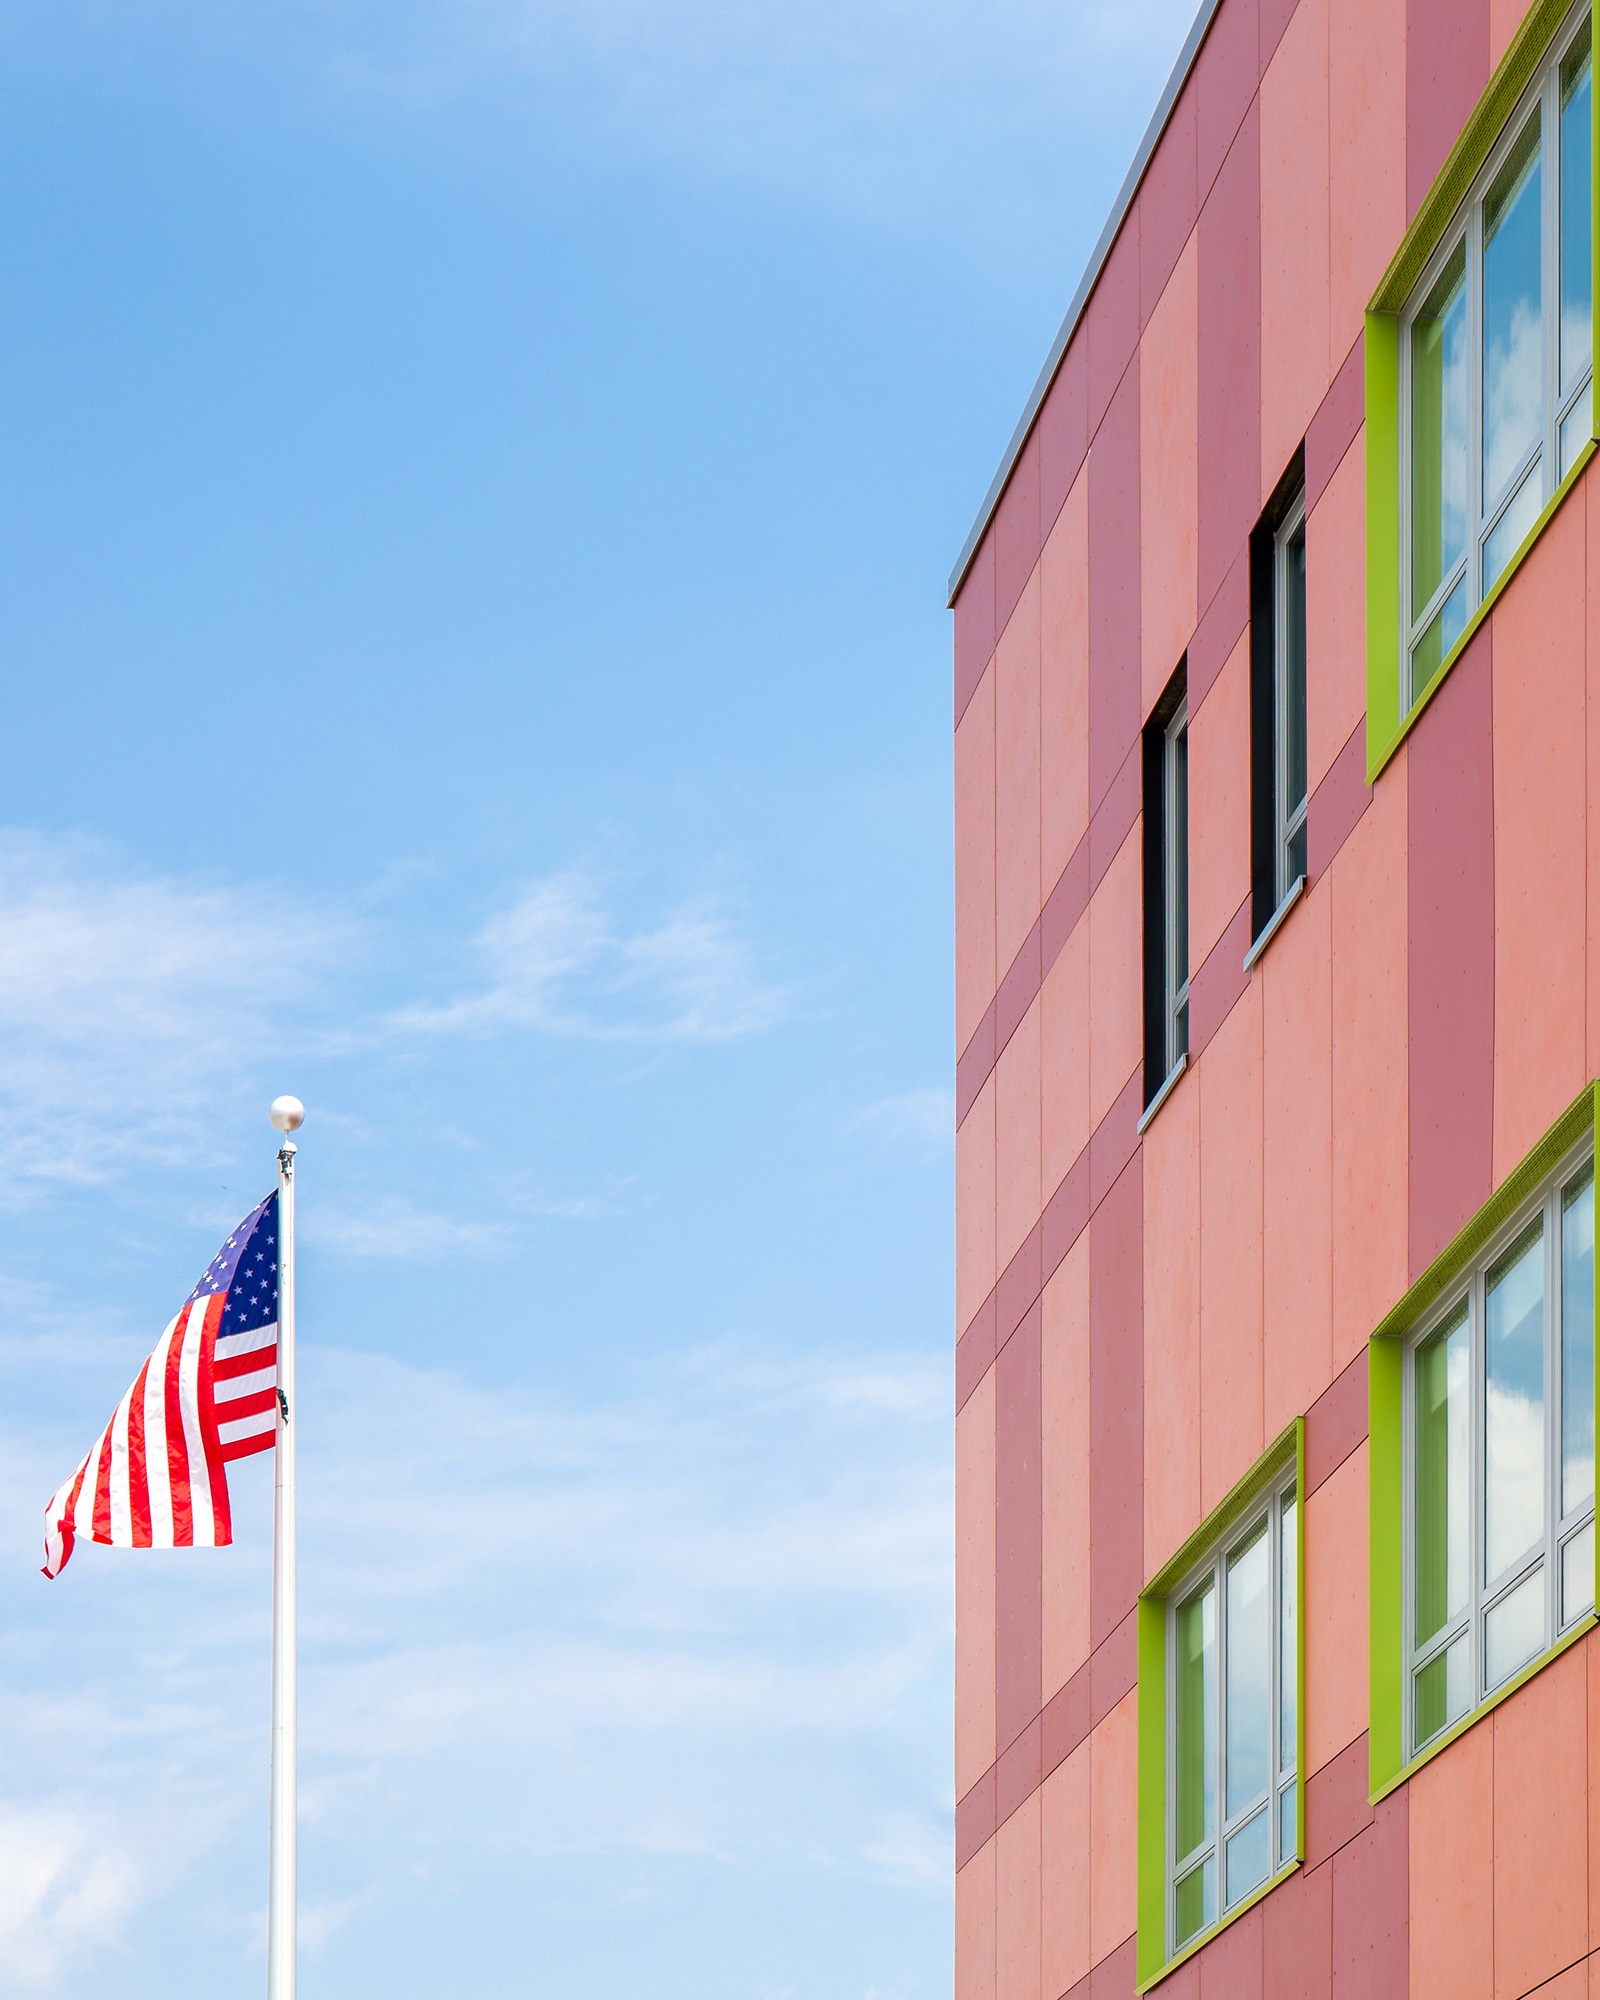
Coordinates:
[1496,362]
[1232,1673]
[1278,702]
[1166,883]
[1499,1421]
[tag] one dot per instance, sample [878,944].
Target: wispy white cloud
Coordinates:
[922,1118]
[67,1884]
[127,999]
[558,961]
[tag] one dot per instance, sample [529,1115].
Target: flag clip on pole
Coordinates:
[287,1114]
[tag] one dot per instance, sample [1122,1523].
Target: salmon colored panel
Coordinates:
[1016,763]
[1336,613]
[975,973]
[1172,1509]
[1573,1984]
[1064,1837]
[1232,1424]
[1541,1860]
[1451,1818]
[1169,361]
[1590,1650]
[1367,156]
[1297,1160]
[1064,1058]
[1016,1890]
[1064,684]
[1295,367]
[1371,1127]
[1017,1114]
[975,1926]
[975,1595]
[1116,967]
[1540,890]
[1219,804]
[1505,17]
[1591,501]
[1113,1828]
[1336,1611]
[1064,1365]
[975,1269]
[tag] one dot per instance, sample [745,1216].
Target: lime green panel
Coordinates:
[1151,1949]
[1300,1641]
[1382,350]
[1386,1502]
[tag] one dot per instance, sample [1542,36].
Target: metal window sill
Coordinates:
[1163,1093]
[1296,890]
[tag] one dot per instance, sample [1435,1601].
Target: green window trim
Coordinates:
[1153,1961]
[1387,727]
[1388,1764]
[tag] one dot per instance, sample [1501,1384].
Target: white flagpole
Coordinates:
[286,1114]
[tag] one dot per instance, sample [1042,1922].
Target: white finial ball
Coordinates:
[287,1113]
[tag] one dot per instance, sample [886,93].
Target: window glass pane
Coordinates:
[1439,432]
[1505,537]
[1247,1723]
[1442,1692]
[1577,1343]
[1513,336]
[1250,1856]
[1196,1704]
[1288,1583]
[1513,1405]
[1294,672]
[1513,1632]
[1288,1825]
[1440,1526]
[1196,1902]
[1577,1575]
[1577,243]
[1428,654]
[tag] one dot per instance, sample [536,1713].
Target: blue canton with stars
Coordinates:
[246,1268]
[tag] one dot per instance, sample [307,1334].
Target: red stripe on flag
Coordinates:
[221,1515]
[177,1450]
[235,1365]
[102,1490]
[246,1447]
[138,1470]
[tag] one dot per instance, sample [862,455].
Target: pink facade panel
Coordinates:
[1219,836]
[1452,1871]
[1336,614]
[1064,1059]
[1367,155]
[1169,201]
[1226,75]
[1116,974]
[1114,589]
[975,1926]
[1019,1527]
[1540,886]
[1064,686]
[1116,1404]
[1296,365]
[1017,760]
[1230,358]
[975,1169]
[1113,1826]
[975,1586]
[1232,1381]
[1065,1837]
[1017,1128]
[975,861]
[1541,1844]
[1065,1471]
[1168,479]
[1017,1908]
[1172,1327]
[1336,1612]
[1447,67]
[1297,1161]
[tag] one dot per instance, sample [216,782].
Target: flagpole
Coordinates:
[286,1114]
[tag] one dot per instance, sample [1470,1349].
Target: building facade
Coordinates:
[1278,1026]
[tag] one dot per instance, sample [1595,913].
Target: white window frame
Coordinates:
[1286,823]
[1282,1489]
[1174,892]
[1559,1528]
[1543,89]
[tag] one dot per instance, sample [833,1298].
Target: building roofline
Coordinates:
[1080,298]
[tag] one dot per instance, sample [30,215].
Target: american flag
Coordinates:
[155,1478]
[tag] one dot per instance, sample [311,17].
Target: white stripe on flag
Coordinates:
[155,1442]
[231,1345]
[205,1526]
[121,1495]
[243,1427]
[83,1513]
[244,1385]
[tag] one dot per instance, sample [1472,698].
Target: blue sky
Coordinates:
[476,488]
